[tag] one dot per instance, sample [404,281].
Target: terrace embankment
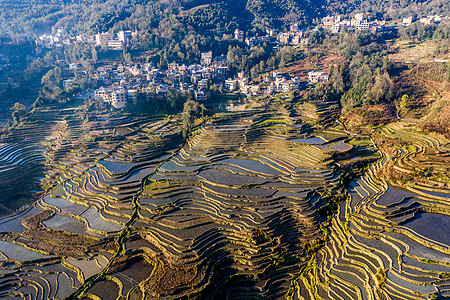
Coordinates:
[91,173]
[390,239]
[233,212]
[128,212]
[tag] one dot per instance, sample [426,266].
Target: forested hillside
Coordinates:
[90,16]
[389,8]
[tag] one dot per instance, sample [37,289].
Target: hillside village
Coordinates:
[294,36]
[122,84]
[133,82]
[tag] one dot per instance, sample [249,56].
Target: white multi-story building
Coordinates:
[315,77]
[206,58]
[230,85]
[362,25]
[252,41]
[430,20]
[118,98]
[202,83]
[115,45]
[68,84]
[239,35]
[407,21]
[359,22]
[201,95]
[331,23]
[102,38]
[100,94]
[124,36]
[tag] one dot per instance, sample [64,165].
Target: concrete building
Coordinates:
[102,38]
[74,66]
[230,85]
[271,88]
[315,77]
[172,66]
[68,84]
[271,32]
[118,98]
[239,35]
[100,94]
[251,41]
[206,58]
[221,71]
[277,75]
[330,22]
[201,95]
[85,38]
[361,25]
[296,39]
[132,95]
[202,83]
[124,36]
[407,21]
[359,22]
[115,45]
[284,38]
[431,20]
[294,27]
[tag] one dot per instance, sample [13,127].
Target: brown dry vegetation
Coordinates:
[427,93]
[35,222]
[167,279]
[302,67]
[56,242]
[410,52]
[426,165]
[373,115]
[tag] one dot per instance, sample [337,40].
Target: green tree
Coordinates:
[404,101]
[191,110]
[53,78]
[19,111]
[127,58]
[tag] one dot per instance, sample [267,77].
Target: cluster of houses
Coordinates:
[276,82]
[294,36]
[428,20]
[360,22]
[127,83]
[104,39]
[123,84]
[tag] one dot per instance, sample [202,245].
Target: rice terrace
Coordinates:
[131,210]
[200,149]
